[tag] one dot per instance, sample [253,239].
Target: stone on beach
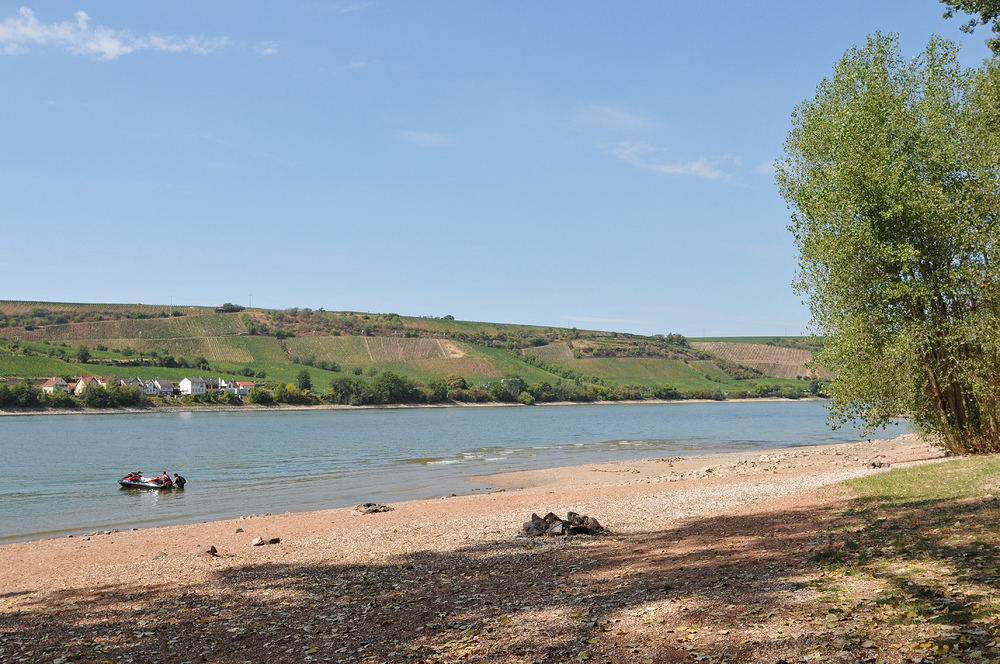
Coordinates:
[372,508]
[553,526]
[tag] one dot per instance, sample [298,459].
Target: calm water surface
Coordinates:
[58,473]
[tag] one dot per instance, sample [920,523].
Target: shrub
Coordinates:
[259,396]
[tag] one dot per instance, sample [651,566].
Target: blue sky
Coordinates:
[590,164]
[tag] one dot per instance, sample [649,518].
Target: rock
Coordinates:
[372,508]
[161,554]
[557,528]
[593,526]
[239,530]
[552,525]
[274,540]
[258,542]
[209,552]
[529,529]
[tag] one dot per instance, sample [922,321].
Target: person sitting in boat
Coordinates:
[134,475]
[165,480]
[179,481]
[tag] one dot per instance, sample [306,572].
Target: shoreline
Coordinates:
[673,471]
[691,542]
[297,408]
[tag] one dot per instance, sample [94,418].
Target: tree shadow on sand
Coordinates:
[845,582]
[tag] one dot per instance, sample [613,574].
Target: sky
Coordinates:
[590,164]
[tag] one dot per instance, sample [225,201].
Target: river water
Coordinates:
[58,473]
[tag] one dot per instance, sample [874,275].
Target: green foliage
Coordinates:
[58,399]
[303,381]
[259,396]
[988,13]
[456,382]
[25,395]
[113,396]
[891,173]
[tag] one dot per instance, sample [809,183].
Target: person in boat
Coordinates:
[179,481]
[165,480]
[134,475]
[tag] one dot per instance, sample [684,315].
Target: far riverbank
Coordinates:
[407,406]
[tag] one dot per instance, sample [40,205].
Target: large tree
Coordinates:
[986,12]
[891,172]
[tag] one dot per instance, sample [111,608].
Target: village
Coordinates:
[157,387]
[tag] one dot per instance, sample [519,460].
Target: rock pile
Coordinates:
[372,508]
[553,526]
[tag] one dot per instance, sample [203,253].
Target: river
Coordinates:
[58,473]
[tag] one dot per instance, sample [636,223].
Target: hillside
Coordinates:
[772,360]
[46,339]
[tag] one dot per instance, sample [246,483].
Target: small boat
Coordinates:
[138,481]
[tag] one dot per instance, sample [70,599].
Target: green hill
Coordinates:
[45,339]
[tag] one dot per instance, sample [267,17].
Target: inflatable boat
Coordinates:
[137,481]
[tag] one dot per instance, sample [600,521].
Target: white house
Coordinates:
[85,382]
[240,388]
[164,387]
[192,385]
[55,384]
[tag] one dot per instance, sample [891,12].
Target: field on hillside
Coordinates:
[346,351]
[19,365]
[396,349]
[771,360]
[557,352]
[72,308]
[635,369]
[151,328]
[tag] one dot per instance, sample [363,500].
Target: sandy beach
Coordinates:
[703,556]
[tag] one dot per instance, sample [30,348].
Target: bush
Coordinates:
[260,396]
[59,399]
[26,395]
[526,399]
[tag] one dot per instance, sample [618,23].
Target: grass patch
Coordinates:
[917,551]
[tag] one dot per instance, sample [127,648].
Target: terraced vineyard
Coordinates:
[262,350]
[396,349]
[771,360]
[347,351]
[556,352]
[152,328]
[222,349]
[638,369]
[73,308]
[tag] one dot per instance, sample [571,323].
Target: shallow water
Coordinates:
[58,473]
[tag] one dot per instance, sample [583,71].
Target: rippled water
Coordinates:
[58,473]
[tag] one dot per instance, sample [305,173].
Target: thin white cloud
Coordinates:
[360,64]
[643,155]
[79,37]
[767,168]
[267,48]
[612,117]
[426,139]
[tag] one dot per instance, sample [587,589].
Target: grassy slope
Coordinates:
[222,339]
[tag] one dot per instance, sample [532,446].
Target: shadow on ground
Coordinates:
[851,581]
